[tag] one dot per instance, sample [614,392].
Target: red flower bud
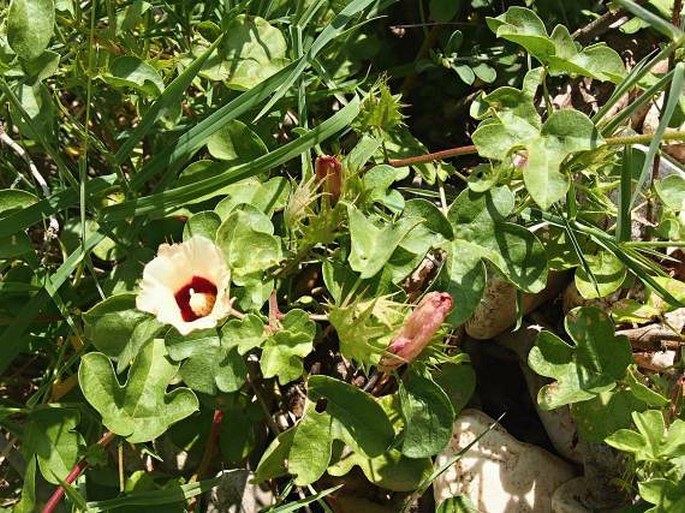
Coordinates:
[417,332]
[329,174]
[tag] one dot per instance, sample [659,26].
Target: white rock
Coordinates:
[499,473]
[235,494]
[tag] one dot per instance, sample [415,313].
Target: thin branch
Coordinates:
[652,336]
[676,135]
[53,230]
[601,25]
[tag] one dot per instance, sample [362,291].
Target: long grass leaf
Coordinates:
[168,495]
[12,341]
[26,217]
[624,220]
[294,506]
[171,95]
[178,153]
[160,202]
[673,100]
[332,30]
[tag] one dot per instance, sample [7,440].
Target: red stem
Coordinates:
[57,495]
[438,155]
[211,443]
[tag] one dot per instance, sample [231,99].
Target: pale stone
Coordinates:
[499,473]
[558,423]
[235,494]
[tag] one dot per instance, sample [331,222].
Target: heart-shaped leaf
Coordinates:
[597,361]
[481,232]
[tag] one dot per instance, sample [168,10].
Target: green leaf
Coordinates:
[459,504]
[209,364]
[236,143]
[361,419]
[284,349]
[458,381]
[671,190]
[565,132]
[482,233]
[273,461]
[141,410]
[608,272]
[247,241]
[244,334]
[30,25]
[428,416]
[51,435]
[605,413]
[597,361]
[377,182]
[268,196]
[667,495]
[251,51]
[204,224]
[372,247]
[18,243]
[310,451]
[524,27]
[643,393]
[391,470]
[27,503]
[130,71]
[117,329]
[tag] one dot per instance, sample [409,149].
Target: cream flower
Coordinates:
[186,285]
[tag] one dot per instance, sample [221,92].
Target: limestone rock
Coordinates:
[235,494]
[499,473]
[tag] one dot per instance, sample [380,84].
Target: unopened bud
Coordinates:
[329,174]
[417,332]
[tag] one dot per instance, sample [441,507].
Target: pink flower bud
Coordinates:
[417,332]
[329,174]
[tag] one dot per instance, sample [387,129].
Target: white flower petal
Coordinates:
[174,268]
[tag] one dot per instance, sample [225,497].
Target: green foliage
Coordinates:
[30,26]
[592,366]
[481,232]
[141,410]
[128,125]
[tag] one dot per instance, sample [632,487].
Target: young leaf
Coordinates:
[30,25]
[50,434]
[608,274]
[428,416]
[361,419]
[372,247]
[597,361]
[284,349]
[141,410]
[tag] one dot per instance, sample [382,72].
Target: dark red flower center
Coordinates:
[197,285]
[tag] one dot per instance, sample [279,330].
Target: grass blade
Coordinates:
[655,21]
[171,198]
[168,495]
[667,114]
[171,94]
[11,340]
[332,30]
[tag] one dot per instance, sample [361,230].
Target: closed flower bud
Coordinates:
[329,174]
[417,332]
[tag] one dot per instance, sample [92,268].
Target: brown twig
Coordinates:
[678,135]
[652,336]
[57,495]
[53,228]
[600,25]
